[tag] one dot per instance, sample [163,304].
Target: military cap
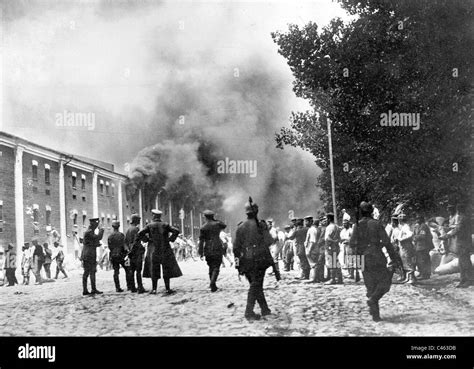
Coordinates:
[208,212]
[156,212]
[344,221]
[27,244]
[308,217]
[402,216]
[92,220]
[294,219]
[48,228]
[395,216]
[115,224]
[270,220]
[287,226]
[329,214]
[251,208]
[366,207]
[10,246]
[451,206]
[135,217]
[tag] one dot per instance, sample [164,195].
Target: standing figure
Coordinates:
[77,245]
[423,241]
[211,247]
[349,255]
[287,251]
[331,238]
[406,249]
[59,257]
[311,246]
[368,239]
[159,254]
[300,238]
[251,249]
[47,260]
[321,261]
[89,255]
[26,261]
[116,242]
[10,265]
[38,260]
[135,254]
[460,235]
[227,249]
[275,246]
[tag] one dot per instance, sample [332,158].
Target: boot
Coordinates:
[357,276]
[214,275]
[85,292]
[252,316]
[374,309]
[411,278]
[94,290]
[117,283]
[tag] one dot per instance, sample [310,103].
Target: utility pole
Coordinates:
[171,217]
[331,167]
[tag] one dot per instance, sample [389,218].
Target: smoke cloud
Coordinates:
[174,87]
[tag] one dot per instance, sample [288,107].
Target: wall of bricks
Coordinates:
[7,195]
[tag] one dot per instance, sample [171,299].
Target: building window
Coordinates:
[47,170]
[108,221]
[83,198]
[101,186]
[47,191]
[74,180]
[1,210]
[34,170]
[107,188]
[102,218]
[113,189]
[48,215]
[35,213]
[74,197]
[83,182]
[74,217]
[84,215]
[35,189]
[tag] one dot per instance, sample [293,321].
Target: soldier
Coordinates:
[38,260]
[288,250]
[26,260]
[251,249]
[311,246]
[159,254]
[461,237]
[116,243]
[89,255]
[332,238]
[300,237]
[275,246]
[321,260]
[367,239]
[135,254]
[423,245]
[10,265]
[345,235]
[210,246]
[59,257]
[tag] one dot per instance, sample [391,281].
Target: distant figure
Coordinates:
[135,254]
[47,260]
[345,216]
[423,241]
[89,256]
[10,265]
[59,258]
[26,263]
[407,251]
[332,238]
[311,246]
[116,242]
[211,247]
[38,260]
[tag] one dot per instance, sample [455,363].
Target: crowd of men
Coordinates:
[319,249]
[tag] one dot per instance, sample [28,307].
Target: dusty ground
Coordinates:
[434,308]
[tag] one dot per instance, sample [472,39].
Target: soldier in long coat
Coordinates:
[89,255]
[159,254]
[135,254]
[211,247]
[368,239]
[251,248]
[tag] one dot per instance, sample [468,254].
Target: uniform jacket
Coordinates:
[331,237]
[368,238]
[460,235]
[210,242]
[251,246]
[116,243]
[405,236]
[133,244]
[300,237]
[91,242]
[48,253]
[422,238]
[159,235]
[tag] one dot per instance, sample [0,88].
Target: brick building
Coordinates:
[41,187]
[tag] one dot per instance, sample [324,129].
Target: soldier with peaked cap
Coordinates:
[135,251]
[332,238]
[300,237]
[89,255]
[311,245]
[211,246]
[251,249]
[116,243]
[159,254]
[368,238]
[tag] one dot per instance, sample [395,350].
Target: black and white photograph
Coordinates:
[202,173]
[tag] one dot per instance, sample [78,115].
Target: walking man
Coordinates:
[159,254]
[10,265]
[368,239]
[135,254]
[210,246]
[116,242]
[59,257]
[251,249]
[38,260]
[89,256]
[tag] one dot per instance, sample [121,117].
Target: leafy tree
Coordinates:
[404,56]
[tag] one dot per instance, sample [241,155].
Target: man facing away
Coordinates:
[135,254]
[116,243]
[211,247]
[89,256]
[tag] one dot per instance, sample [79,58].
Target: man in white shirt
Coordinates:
[311,246]
[346,251]
[331,238]
[345,216]
[407,250]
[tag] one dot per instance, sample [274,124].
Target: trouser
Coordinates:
[408,257]
[465,266]
[255,294]
[26,275]
[60,268]
[288,258]
[319,267]
[351,262]
[135,269]
[214,263]
[423,263]
[90,268]
[304,265]
[377,281]
[275,250]
[10,275]
[154,283]
[37,271]
[333,265]
[47,270]
[116,263]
